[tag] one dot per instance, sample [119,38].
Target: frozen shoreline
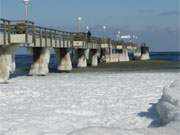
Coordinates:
[63,103]
[168,108]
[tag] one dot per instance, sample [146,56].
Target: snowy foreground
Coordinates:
[91,104]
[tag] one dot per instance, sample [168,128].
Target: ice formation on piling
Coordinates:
[40,66]
[124,55]
[7,62]
[145,56]
[82,58]
[64,60]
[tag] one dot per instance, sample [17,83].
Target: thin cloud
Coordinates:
[169,13]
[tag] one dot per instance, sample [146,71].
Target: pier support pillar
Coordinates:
[145,53]
[7,62]
[13,62]
[103,55]
[137,53]
[87,53]
[41,57]
[123,56]
[82,59]
[94,57]
[64,60]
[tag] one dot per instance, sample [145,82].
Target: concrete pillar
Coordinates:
[13,62]
[137,53]
[87,53]
[82,60]
[41,57]
[64,59]
[145,56]
[123,56]
[111,59]
[94,57]
[103,54]
[7,62]
[74,57]
[145,53]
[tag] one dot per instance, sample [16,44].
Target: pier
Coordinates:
[40,40]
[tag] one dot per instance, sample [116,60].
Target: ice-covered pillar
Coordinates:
[111,59]
[137,53]
[103,55]
[82,59]
[64,59]
[13,62]
[94,57]
[145,53]
[7,62]
[41,57]
[87,53]
[124,55]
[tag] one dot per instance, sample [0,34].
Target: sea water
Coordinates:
[26,60]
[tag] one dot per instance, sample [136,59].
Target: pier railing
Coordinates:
[28,34]
[5,31]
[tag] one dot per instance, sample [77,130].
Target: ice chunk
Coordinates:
[168,106]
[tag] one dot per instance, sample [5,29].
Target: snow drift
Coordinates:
[168,108]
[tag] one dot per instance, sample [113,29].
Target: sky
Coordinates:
[156,22]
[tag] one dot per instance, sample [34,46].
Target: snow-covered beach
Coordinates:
[61,104]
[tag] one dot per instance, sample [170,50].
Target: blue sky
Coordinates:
[153,21]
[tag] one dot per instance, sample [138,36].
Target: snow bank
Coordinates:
[168,106]
[31,106]
[119,131]
[104,131]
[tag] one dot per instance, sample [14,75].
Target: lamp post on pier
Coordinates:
[26,4]
[118,36]
[104,30]
[87,28]
[79,19]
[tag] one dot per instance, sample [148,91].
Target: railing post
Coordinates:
[9,32]
[4,32]
[59,37]
[45,37]
[40,36]
[26,32]
[71,38]
[55,38]
[63,39]
[50,34]
[34,34]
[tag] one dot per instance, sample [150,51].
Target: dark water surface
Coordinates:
[159,60]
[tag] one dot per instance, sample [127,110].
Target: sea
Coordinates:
[26,60]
